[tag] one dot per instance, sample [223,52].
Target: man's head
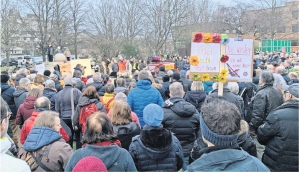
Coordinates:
[25,83]
[50,84]
[180,58]
[143,75]
[23,71]
[182,74]
[77,74]
[287,63]
[166,78]
[266,77]
[41,104]
[121,82]
[162,68]
[97,77]
[291,92]
[109,88]
[4,79]
[176,76]
[219,122]
[293,75]
[68,80]
[47,73]
[4,118]
[176,90]
[280,70]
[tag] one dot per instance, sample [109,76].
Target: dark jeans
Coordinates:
[77,134]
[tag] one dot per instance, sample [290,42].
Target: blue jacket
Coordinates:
[141,96]
[51,95]
[227,160]
[7,94]
[208,86]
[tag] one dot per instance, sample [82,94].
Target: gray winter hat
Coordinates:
[293,89]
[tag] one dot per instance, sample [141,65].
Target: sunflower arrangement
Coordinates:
[223,75]
[198,37]
[224,58]
[207,38]
[205,77]
[194,61]
[215,78]
[216,38]
[195,76]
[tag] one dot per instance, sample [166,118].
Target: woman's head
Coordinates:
[91,93]
[48,119]
[197,86]
[35,92]
[98,129]
[120,113]
[38,79]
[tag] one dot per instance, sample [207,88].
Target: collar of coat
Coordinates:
[207,150]
[263,87]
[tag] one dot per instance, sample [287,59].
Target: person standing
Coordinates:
[50,52]
[180,64]
[67,53]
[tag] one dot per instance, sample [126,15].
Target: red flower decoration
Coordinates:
[224,58]
[216,38]
[198,37]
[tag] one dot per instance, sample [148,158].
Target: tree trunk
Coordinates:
[7,58]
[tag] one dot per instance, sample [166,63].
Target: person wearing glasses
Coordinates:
[7,160]
[280,133]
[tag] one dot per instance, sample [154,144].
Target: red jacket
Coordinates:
[25,110]
[122,66]
[28,125]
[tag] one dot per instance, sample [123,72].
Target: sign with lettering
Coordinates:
[40,68]
[240,61]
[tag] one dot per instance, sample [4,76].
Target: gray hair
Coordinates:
[76,74]
[121,96]
[121,82]
[68,80]
[279,81]
[31,77]
[24,82]
[143,75]
[42,102]
[280,70]
[49,84]
[89,81]
[176,89]
[170,72]
[97,77]
[23,71]
[233,87]
[109,88]
[197,86]
[267,77]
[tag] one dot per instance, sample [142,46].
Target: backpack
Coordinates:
[106,106]
[85,112]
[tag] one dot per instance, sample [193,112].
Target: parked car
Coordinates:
[38,60]
[23,59]
[12,62]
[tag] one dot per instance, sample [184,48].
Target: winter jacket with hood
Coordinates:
[63,101]
[8,161]
[99,87]
[142,95]
[18,78]
[126,133]
[19,97]
[156,149]
[182,118]
[56,72]
[51,95]
[114,157]
[83,101]
[28,125]
[280,135]
[7,94]
[196,98]
[59,151]
[25,110]
[266,99]
[79,84]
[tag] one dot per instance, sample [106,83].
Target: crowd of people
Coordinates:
[126,118]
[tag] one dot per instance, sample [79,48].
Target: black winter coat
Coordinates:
[19,97]
[280,134]
[126,133]
[182,118]
[245,141]
[99,87]
[7,94]
[58,86]
[51,95]
[266,99]
[156,149]
[196,98]
[186,84]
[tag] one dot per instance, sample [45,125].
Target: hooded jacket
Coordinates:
[196,98]
[142,95]
[280,134]
[156,149]
[18,78]
[19,97]
[83,101]
[79,84]
[56,72]
[51,95]
[7,94]
[114,157]
[10,163]
[28,125]
[186,83]
[126,133]
[99,87]
[63,101]
[25,110]
[182,118]
[59,151]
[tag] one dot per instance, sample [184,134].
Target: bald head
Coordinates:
[42,102]
[280,70]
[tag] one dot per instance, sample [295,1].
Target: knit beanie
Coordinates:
[216,139]
[153,115]
[176,76]
[4,78]
[90,163]
[47,72]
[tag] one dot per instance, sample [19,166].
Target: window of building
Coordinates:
[295,28]
[281,29]
[294,42]
[295,14]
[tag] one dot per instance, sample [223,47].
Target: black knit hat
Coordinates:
[47,72]
[4,78]
[176,76]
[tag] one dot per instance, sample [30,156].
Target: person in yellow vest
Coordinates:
[108,97]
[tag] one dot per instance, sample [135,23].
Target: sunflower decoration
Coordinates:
[205,77]
[198,37]
[195,76]
[225,40]
[216,38]
[194,61]
[224,73]
[215,78]
[222,78]
[224,58]
[207,38]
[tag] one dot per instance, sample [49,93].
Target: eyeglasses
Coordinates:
[8,116]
